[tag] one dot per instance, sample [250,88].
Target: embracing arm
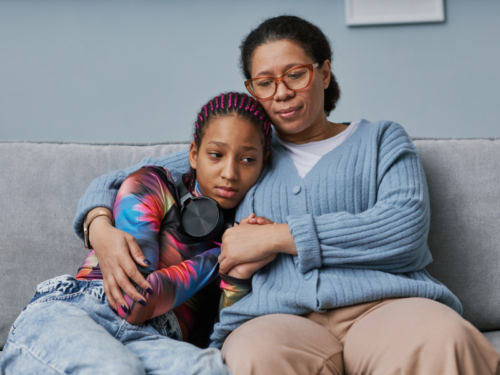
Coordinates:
[237,283]
[172,286]
[144,205]
[389,236]
[233,289]
[116,249]
[102,191]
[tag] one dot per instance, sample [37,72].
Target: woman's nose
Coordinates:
[283,92]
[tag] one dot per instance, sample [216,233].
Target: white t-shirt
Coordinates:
[305,156]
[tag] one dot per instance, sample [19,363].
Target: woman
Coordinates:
[348,291]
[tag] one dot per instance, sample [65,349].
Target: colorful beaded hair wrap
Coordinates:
[228,104]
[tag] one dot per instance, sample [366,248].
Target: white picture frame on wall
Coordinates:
[384,12]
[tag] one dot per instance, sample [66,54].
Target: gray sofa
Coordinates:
[41,182]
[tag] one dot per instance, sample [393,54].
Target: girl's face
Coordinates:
[229,160]
[291,112]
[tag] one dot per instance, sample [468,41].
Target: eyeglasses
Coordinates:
[295,79]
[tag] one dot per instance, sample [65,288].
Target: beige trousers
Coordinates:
[398,336]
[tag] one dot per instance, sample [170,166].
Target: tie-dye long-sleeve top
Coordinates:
[183,271]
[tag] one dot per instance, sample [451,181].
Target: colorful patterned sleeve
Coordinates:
[173,286]
[143,206]
[233,290]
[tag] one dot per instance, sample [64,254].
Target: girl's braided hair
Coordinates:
[227,104]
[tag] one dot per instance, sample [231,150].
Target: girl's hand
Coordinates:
[252,219]
[246,270]
[244,244]
[117,253]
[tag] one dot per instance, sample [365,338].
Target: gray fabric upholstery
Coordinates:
[464,188]
[41,182]
[40,186]
[494,338]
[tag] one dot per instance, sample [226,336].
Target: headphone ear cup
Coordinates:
[202,218]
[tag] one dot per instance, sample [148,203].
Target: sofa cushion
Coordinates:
[40,185]
[464,187]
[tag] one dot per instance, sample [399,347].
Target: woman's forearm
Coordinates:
[283,240]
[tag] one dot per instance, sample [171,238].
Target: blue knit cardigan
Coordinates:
[359,219]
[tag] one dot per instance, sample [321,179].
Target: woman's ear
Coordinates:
[326,73]
[193,155]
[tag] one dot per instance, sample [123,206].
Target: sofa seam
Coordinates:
[186,142]
[455,139]
[135,144]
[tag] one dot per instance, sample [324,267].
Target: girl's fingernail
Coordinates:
[237,222]
[124,308]
[146,262]
[142,302]
[149,290]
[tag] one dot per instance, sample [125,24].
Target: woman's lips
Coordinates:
[226,192]
[288,112]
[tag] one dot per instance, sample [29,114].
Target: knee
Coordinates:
[19,359]
[282,344]
[147,172]
[149,175]
[454,343]
[252,340]
[146,184]
[445,327]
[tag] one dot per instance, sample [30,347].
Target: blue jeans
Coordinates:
[68,327]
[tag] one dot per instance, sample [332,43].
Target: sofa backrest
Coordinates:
[463,176]
[41,183]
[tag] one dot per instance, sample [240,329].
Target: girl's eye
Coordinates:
[248,160]
[215,154]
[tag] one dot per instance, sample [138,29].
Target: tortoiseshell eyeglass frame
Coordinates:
[311,67]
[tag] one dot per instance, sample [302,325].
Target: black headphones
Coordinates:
[201,217]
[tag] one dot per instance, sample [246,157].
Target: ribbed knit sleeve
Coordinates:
[102,191]
[391,235]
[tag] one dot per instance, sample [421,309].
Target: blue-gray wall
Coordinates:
[139,70]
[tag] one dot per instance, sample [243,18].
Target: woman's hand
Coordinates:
[116,252]
[254,246]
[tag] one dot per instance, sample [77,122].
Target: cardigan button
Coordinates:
[296,190]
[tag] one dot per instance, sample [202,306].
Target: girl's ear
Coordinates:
[193,155]
[326,73]
[266,158]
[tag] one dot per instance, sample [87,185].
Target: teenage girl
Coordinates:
[69,325]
